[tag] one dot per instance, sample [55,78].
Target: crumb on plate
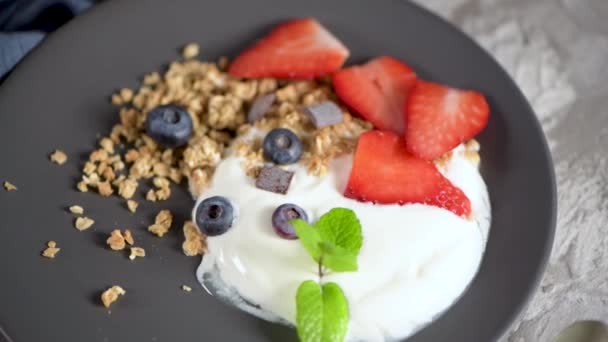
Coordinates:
[195,242]
[51,250]
[190,51]
[59,157]
[162,223]
[137,252]
[8,186]
[110,295]
[132,205]
[76,209]
[83,223]
[116,241]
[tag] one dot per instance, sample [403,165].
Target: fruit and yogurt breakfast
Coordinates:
[345,201]
[392,230]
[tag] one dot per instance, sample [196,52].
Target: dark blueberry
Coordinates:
[281,217]
[169,125]
[214,215]
[282,146]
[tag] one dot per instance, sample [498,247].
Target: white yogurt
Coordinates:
[416,259]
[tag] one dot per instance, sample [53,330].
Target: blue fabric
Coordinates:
[24,23]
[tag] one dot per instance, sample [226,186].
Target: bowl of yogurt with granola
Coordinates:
[353,190]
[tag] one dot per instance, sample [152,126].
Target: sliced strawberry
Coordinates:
[377,91]
[299,48]
[439,118]
[384,172]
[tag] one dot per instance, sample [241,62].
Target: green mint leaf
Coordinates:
[309,236]
[321,312]
[341,227]
[309,312]
[337,258]
[335,313]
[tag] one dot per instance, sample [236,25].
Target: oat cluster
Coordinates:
[83,223]
[58,157]
[110,295]
[51,250]
[195,241]
[162,223]
[119,240]
[8,186]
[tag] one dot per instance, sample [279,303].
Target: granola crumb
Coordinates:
[162,223]
[195,242]
[107,144]
[132,205]
[83,223]
[190,51]
[76,209]
[59,157]
[129,237]
[151,195]
[137,252]
[110,295]
[105,189]
[116,241]
[186,288]
[126,95]
[8,186]
[126,188]
[82,186]
[51,250]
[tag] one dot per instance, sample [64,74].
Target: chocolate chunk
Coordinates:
[324,114]
[274,179]
[259,107]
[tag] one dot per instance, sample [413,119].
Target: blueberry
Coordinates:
[281,217]
[214,215]
[282,146]
[169,125]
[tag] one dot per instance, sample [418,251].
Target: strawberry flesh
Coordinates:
[300,48]
[439,118]
[377,91]
[384,172]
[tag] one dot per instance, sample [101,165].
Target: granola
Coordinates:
[76,210]
[83,223]
[8,186]
[58,157]
[162,223]
[137,252]
[132,205]
[51,250]
[194,240]
[116,241]
[110,295]
[218,104]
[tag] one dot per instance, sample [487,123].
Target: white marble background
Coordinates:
[557,52]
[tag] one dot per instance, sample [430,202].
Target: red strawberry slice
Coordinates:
[299,48]
[384,172]
[377,91]
[439,118]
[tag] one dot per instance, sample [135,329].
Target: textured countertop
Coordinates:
[557,52]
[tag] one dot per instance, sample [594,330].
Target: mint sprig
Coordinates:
[334,243]
[322,312]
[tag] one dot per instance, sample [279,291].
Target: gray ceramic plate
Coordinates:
[58,98]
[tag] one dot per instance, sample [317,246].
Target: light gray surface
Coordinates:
[557,51]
